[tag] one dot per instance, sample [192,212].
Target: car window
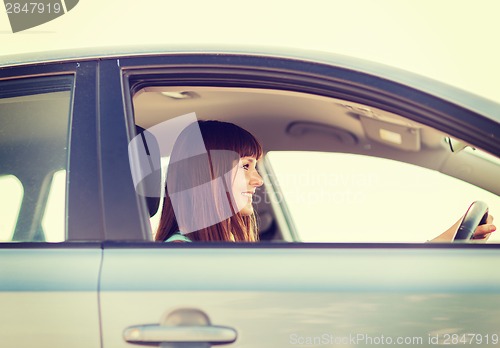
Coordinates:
[347,172]
[337,197]
[34,118]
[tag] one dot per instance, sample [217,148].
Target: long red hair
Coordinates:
[184,209]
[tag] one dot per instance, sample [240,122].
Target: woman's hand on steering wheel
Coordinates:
[483,227]
[484,231]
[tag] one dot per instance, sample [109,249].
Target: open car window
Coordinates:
[335,170]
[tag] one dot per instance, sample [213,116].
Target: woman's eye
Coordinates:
[246,166]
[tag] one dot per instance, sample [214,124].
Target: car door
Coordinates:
[279,296]
[283,294]
[50,252]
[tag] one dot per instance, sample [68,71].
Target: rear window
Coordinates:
[34,118]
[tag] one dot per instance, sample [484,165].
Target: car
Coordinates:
[363,164]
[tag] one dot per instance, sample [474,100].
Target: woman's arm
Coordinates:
[482,232]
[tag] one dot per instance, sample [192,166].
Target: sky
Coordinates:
[452,41]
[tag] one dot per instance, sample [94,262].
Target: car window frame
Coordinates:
[325,78]
[235,70]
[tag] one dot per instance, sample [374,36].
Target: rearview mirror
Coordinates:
[456,145]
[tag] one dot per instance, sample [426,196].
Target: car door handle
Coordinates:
[183,327]
[156,334]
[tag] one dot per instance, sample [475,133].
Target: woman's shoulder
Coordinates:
[178,237]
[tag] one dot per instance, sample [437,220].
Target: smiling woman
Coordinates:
[246,181]
[210,183]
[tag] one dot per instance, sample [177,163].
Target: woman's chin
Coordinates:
[247,210]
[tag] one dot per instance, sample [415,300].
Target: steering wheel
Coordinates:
[476,215]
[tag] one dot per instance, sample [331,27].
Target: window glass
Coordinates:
[53,220]
[34,118]
[10,203]
[336,197]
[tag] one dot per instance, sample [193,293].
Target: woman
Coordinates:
[210,182]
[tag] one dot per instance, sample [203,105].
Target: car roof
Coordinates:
[488,108]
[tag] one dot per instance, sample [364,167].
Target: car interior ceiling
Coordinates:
[292,121]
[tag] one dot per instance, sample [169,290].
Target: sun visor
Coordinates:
[391,132]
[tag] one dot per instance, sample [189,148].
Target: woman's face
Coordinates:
[246,180]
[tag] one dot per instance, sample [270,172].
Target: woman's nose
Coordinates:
[256,180]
